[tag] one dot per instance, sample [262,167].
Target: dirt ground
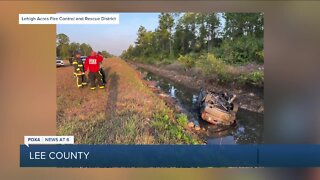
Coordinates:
[247,98]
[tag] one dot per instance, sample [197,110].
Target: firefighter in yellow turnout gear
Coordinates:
[79,70]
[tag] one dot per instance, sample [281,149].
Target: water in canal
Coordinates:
[248,128]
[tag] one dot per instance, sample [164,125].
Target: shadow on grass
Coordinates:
[107,72]
[113,81]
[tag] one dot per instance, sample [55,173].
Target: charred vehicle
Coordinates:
[217,107]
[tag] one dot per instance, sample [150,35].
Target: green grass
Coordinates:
[187,60]
[169,131]
[124,130]
[255,79]
[128,129]
[210,65]
[182,119]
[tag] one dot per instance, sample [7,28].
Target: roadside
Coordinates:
[126,112]
[248,98]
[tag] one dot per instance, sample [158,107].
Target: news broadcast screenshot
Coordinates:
[160,89]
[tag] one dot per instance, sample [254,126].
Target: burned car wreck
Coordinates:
[217,107]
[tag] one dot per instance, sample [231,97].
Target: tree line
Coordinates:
[65,49]
[235,38]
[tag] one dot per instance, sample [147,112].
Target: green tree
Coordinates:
[105,54]
[243,38]
[179,39]
[62,39]
[203,32]
[243,24]
[185,34]
[73,47]
[165,28]
[85,49]
[212,22]
[62,45]
[188,35]
[146,43]
[141,33]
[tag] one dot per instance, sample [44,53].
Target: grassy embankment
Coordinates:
[207,66]
[210,66]
[126,112]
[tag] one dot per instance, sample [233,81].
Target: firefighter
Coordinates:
[70,60]
[103,74]
[79,70]
[92,65]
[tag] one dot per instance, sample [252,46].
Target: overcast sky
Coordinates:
[113,38]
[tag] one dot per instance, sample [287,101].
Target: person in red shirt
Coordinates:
[103,74]
[93,65]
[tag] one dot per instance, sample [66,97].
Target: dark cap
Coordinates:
[76,52]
